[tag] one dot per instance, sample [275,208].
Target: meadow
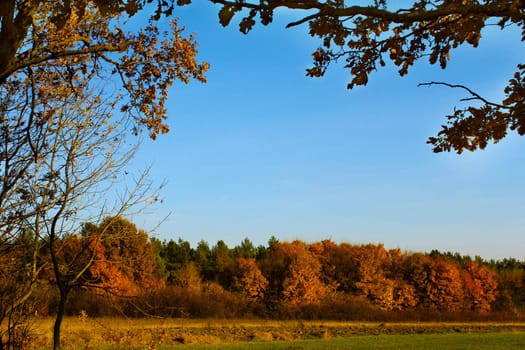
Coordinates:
[122,333]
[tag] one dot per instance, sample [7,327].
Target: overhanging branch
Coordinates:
[474,95]
[496,9]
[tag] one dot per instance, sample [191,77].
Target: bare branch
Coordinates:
[475,96]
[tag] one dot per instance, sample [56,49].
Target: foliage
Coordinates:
[347,281]
[293,275]
[438,283]
[124,258]
[189,278]
[245,250]
[293,279]
[480,286]
[83,42]
[366,35]
[248,279]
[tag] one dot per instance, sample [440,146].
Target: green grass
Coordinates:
[451,341]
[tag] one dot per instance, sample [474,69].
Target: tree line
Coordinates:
[133,274]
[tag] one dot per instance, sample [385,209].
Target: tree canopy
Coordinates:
[91,36]
[85,42]
[368,34]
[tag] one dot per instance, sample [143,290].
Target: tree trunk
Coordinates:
[15,27]
[60,316]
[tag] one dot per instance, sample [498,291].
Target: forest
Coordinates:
[135,275]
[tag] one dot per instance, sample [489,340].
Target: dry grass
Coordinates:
[122,333]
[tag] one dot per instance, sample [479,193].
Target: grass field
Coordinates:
[108,333]
[492,341]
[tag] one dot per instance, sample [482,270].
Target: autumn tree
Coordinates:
[437,282]
[247,279]
[125,262]
[480,286]
[338,265]
[85,41]
[405,296]
[189,278]
[78,176]
[53,50]
[65,67]
[366,35]
[293,273]
[323,252]
[363,270]
[21,138]
[371,281]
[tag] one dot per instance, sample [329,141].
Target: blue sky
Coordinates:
[262,150]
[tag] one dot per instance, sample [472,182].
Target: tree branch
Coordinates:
[475,96]
[4,74]
[496,9]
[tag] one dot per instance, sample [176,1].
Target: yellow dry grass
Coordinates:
[151,333]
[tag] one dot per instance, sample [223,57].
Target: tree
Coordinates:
[293,273]
[437,282]
[245,250]
[366,35]
[203,259]
[174,256]
[372,281]
[125,259]
[511,286]
[480,287]
[221,263]
[81,154]
[360,270]
[189,278]
[248,280]
[84,41]
[64,68]
[404,292]
[339,265]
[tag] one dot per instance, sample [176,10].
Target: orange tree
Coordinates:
[294,276]
[247,279]
[367,34]
[125,262]
[112,257]
[480,286]
[339,266]
[437,282]
[366,270]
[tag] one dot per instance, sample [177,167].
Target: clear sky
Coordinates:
[263,150]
